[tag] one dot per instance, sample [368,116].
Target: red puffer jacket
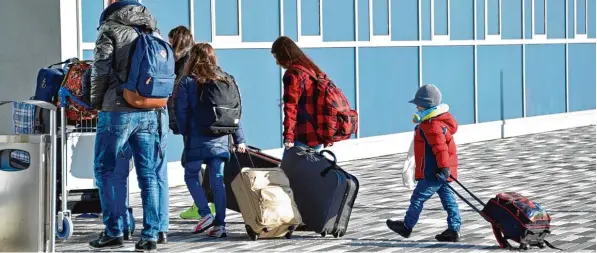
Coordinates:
[435,147]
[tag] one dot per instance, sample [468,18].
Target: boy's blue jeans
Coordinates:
[422,192]
[216,181]
[145,136]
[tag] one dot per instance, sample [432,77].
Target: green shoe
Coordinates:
[193,212]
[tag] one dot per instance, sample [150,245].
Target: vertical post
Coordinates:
[53,170]
[502,102]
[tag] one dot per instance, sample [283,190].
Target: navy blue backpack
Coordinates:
[49,80]
[151,75]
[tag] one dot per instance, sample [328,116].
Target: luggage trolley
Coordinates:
[86,188]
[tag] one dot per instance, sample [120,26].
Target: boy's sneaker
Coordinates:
[448,236]
[399,227]
[193,212]
[204,223]
[146,246]
[217,231]
[106,242]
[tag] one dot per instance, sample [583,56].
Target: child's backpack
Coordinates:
[151,75]
[226,106]
[341,122]
[70,95]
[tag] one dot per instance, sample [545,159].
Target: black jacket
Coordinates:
[179,71]
[112,55]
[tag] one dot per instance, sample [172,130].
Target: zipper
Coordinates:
[227,108]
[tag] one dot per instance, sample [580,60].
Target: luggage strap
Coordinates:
[548,244]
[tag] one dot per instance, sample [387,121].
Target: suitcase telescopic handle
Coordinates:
[441,177]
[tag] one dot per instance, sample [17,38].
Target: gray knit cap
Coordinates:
[427,96]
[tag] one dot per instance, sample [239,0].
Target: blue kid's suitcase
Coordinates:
[49,80]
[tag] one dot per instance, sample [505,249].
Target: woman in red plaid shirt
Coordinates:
[298,97]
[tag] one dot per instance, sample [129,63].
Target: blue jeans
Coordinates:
[423,191]
[216,181]
[142,133]
[300,144]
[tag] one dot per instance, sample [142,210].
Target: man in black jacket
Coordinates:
[121,126]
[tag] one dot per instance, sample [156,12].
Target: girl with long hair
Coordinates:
[299,86]
[194,118]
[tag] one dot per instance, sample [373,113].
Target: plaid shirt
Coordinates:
[299,108]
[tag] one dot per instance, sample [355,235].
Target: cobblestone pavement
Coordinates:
[557,169]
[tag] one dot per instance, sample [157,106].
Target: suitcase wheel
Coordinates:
[524,246]
[254,236]
[541,245]
[288,235]
[336,235]
[324,233]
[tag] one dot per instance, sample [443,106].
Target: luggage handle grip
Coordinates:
[333,162]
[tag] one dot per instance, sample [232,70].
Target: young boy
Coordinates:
[436,160]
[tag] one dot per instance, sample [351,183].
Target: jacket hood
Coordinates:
[448,121]
[129,13]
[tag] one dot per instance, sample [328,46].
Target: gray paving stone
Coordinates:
[556,169]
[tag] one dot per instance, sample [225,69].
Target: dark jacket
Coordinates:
[191,119]
[112,52]
[178,70]
[435,148]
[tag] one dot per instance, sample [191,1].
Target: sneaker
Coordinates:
[162,238]
[204,223]
[106,242]
[193,212]
[146,246]
[448,236]
[217,231]
[399,227]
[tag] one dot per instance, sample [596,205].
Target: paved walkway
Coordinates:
[556,169]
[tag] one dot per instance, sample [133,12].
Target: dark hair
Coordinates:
[287,53]
[181,40]
[203,64]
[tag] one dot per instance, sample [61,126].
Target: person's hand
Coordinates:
[288,145]
[327,145]
[443,173]
[241,148]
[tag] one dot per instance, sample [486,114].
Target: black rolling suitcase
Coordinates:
[253,158]
[324,192]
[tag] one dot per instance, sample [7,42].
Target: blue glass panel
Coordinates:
[591,8]
[491,61]
[381,20]
[451,68]
[461,20]
[88,55]
[581,67]
[405,19]
[581,16]
[163,11]
[545,79]
[338,20]
[290,22]
[202,15]
[571,18]
[539,16]
[556,19]
[493,17]
[511,20]
[260,84]
[261,20]
[426,19]
[384,107]
[226,17]
[528,19]
[480,19]
[310,17]
[363,20]
[90,13]
[440,16]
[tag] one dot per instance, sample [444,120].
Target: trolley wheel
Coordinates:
[336,234]
[342,233]
[67,229]
[254,236]
[541,245]
[524,246]
[288,235]
[323,234]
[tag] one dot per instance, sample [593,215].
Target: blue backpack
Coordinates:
[151,75]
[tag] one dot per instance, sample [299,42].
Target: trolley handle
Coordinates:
[38,103]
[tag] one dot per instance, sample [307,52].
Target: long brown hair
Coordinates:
[287,53]
[203,64]
[182,38]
